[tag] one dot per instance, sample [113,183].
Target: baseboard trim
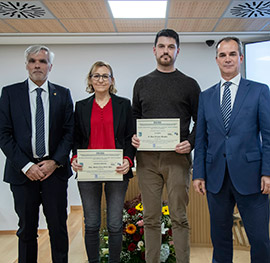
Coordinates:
[13,232]
[8,232]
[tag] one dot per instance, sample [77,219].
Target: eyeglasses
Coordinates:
[97,77]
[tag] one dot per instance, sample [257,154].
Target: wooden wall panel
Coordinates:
[139,25]
[238,24]
[202,8]
[78,9]
[5,28]
[266,27]
[88,25]
[36,25]
[192,25]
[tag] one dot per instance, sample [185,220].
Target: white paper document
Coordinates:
[158,134]
[100,165]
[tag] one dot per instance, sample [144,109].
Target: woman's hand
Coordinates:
[124,168]
[76,166]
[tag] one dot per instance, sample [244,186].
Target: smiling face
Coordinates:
[229,59]
[166,52]
[100,84]
[38,67]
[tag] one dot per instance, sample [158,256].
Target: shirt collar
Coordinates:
[32,86]
[235,80]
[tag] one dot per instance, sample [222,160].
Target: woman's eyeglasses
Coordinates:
[105,77]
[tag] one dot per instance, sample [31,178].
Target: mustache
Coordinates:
[166,54]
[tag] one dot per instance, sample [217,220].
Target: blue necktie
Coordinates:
[226,108]
[40,130]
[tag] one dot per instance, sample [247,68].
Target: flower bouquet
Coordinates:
[133,250]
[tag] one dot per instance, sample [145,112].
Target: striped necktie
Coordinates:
[226,108]
[40,130]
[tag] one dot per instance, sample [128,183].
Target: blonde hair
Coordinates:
[98,64]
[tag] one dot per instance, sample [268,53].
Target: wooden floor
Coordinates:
[8,246]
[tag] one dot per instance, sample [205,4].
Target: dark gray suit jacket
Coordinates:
[16,131]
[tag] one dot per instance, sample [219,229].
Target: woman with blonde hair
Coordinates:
[103,121]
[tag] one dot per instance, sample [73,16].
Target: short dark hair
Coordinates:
[167,33]
[228,39]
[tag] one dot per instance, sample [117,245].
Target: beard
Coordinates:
[168,61]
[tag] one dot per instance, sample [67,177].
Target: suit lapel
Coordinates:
[25,102]
[216,105]
[116,106]
[239,99]
[86,113]
[53,98]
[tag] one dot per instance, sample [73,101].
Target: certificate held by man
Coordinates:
[100,165]
[158,134]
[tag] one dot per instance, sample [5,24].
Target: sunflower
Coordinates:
[165,210]
[131,229]
[139,207]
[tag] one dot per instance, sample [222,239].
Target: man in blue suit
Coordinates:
[232,155]
[36,130]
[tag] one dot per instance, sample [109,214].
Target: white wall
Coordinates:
[71,65]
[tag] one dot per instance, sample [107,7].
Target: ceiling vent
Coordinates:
[24,10]
[248,9]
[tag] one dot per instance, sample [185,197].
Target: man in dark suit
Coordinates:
[232,155]
[36,130]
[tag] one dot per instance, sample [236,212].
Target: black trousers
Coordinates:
[52,194]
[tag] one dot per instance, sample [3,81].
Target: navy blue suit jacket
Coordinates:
[122,124]
[16,131]
[245,146]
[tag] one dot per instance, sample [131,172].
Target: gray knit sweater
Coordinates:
[168,95]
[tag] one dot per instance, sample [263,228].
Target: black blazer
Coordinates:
[16,131]
[122,123]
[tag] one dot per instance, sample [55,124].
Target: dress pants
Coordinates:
[52,194]
[254,210]
[154,170]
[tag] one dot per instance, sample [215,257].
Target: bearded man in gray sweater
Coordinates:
[166,93]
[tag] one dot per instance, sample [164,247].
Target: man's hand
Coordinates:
[47,167]
[199,186]
[34,173]
[183,147]
[265,185]
[124,168]
[76,166]
[135,141]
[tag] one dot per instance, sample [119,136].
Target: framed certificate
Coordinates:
[100,165]
[158,134]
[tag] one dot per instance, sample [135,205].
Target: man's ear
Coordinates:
[241,58]
[154,50]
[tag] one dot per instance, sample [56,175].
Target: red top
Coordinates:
[102,134]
